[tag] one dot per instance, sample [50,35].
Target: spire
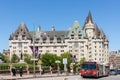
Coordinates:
[89,18]
[22,30]
[53,28]
[22,26]
[38,30]
[76,24]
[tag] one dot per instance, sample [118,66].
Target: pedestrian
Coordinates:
[21,71]
[13,71]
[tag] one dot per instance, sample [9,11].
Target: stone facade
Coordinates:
[88,41]
[114,59]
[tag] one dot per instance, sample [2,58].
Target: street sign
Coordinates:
[64,60]
[34,59]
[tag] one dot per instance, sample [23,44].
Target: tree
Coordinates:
[48,59]
[68,56]
[39,56]
[82,60]
[14,58]
[5,58]
[27,58]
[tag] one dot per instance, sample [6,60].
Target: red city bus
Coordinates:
[94,69]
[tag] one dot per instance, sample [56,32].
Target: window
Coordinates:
[62,50]
[47,46]
[76,44]
[44,40]
[25,47]
[76,50]
[40,51]
[55,50]
[23,32]
[47,51]
[23,37]
[82,54]
[58,40]
[81,46]
[55,46]
[19,50]
[95,54]
[14,47]
[70,50]
[16,38]
[25,51]
[82,50]
[40,47]
[95,50]
[14,51]
[62,46]
[51,41]
[90,56]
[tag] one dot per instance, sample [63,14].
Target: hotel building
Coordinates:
[87,41]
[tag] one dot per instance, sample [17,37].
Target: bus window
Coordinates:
[88,66]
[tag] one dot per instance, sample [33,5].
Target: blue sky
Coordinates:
[61,14]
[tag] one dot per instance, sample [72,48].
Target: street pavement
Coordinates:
[30,76]
[77,77]
[54,77]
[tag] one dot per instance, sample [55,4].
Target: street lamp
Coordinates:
[40,67]
[72,67]
[21,55]
[57,61]
[34,52]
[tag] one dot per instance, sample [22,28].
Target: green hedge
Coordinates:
[5,67]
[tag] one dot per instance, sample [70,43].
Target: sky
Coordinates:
[61,14]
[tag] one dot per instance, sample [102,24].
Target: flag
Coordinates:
[34,50]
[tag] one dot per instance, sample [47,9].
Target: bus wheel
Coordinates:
[98,75]
[83,76]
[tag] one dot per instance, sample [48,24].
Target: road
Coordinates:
[77,77]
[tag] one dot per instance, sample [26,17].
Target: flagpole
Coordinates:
[34,49]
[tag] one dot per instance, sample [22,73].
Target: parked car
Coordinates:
[1,61]
[113,71]
[118,71]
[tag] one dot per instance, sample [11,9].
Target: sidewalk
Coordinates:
[9,77]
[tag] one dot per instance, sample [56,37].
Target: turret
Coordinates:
[89,26]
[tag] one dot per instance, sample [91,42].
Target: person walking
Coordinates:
[14,71]
[21,71]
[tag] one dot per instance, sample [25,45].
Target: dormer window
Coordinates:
[55,35]
[17,32]
[16,37]
[23,37]
[21,30]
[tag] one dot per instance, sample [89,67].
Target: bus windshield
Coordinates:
[89,66]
